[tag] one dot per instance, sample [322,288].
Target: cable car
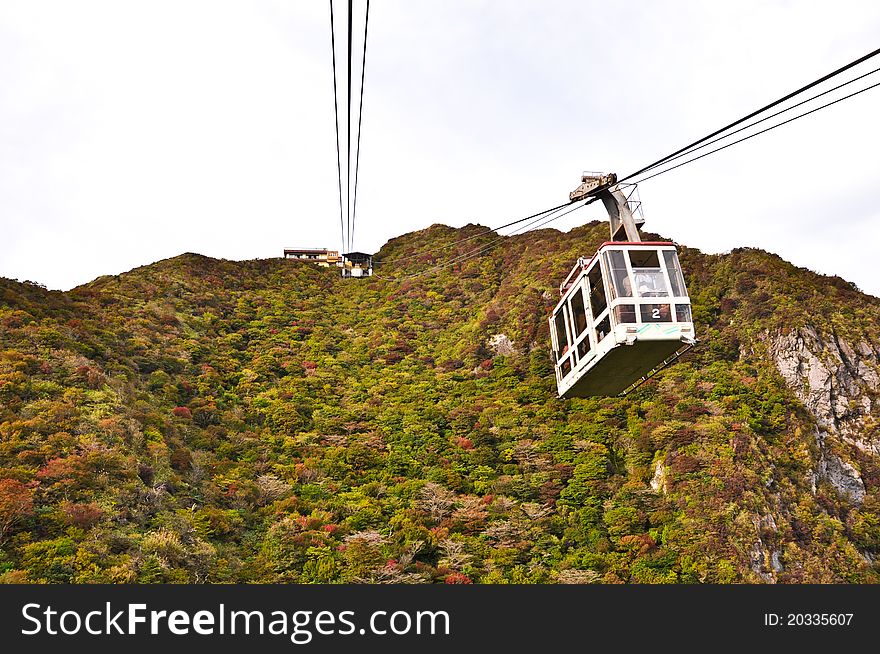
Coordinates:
[624,313]
[356,265]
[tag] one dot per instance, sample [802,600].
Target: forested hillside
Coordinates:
[202,420]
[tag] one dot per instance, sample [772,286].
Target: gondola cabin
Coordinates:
[622,314]
[357,264]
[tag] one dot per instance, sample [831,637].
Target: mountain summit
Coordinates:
[203,420]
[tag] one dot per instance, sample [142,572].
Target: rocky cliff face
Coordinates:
[838,383]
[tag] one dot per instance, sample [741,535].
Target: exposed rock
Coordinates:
[658,481]
[839,384]
[865,349]
[843,477]
[763,560]
[757,556]
[502,345]
[775,563]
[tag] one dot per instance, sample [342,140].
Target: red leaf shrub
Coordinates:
[83,516]
[182,412]
[70,467]
[457,578]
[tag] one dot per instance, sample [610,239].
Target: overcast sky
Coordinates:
[135,131]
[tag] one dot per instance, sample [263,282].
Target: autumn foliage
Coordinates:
[16,503]
[203,421]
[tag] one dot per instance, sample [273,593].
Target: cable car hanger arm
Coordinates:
[603,186]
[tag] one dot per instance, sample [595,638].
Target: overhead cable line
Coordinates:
[542,214]
[530,227]
[703,142]
[773,115]
[522,220]
[348,132]
[490,230]
[357,156]
[482,246]
[753,114]
[746,138]
[445,246]
[336,114]
[542,220]
[525,229]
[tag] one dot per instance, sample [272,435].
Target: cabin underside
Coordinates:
[620,367]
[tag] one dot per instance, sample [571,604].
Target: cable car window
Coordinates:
[624,313]
[650,283]
[602,329]
[648,277]
[566,366]
[644,259]
[578,314]
[597,291]
[675,277]
[619,274]
[683,313]
[655,313]
[561,335]
[583,347]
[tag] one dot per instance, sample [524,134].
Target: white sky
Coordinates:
[134,131]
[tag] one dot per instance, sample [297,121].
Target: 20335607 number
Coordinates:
[819,619]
